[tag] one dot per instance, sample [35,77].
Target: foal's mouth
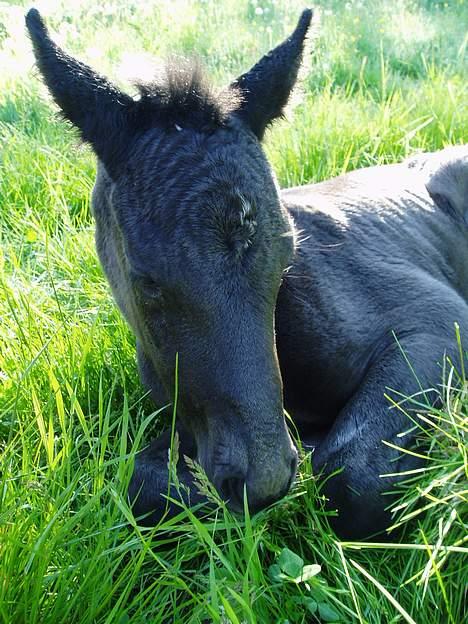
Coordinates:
[236,496]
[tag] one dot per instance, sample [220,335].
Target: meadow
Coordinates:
[385,80]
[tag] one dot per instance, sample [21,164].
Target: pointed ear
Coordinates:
[95,106]
[265,89]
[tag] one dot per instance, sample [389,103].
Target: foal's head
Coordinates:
[194,240]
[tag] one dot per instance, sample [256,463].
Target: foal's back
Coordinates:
[390,231]
[368,309]
[377,257]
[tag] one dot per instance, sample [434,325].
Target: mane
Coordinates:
[182,96]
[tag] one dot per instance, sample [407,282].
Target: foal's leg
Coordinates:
[150,483]
[355,442]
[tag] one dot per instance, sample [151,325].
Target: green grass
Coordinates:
[387,79]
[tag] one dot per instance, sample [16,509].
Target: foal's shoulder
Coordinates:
[360,187]
[438,179]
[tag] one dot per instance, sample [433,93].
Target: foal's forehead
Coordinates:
[202,201]
[179,166]
[205,194]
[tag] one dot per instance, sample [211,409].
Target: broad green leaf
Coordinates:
[328,614]
[311,605]
[290,563]
[275,574]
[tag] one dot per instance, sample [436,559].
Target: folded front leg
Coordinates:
[355,444]
[150,484]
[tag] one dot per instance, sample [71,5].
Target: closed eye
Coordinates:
[147,286]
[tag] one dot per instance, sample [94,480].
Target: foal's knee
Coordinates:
[357,487]
[360,505]
[146,492]
[152,491]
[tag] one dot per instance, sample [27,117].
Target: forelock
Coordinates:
[182,96]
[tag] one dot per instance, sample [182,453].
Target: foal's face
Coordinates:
[206,241]
[193,238]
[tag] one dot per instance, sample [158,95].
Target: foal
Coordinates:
[201,251]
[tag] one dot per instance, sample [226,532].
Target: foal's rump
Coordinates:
[445,174]
[386,247]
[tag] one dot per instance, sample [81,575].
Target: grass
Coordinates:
[386,80]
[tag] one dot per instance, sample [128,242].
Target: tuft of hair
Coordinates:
[181,96]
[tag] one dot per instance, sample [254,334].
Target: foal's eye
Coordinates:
[147,286]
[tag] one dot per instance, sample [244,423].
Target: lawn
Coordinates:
[386,79]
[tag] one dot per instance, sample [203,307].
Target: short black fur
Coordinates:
[200,248]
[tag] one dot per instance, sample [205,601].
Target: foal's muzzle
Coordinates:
[264,484]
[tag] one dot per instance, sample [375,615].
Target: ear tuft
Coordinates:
[267,86]
[303,24]
[35,24]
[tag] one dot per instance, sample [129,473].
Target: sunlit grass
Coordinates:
[386,80]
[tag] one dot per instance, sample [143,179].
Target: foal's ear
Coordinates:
[265,89]
[94,105]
